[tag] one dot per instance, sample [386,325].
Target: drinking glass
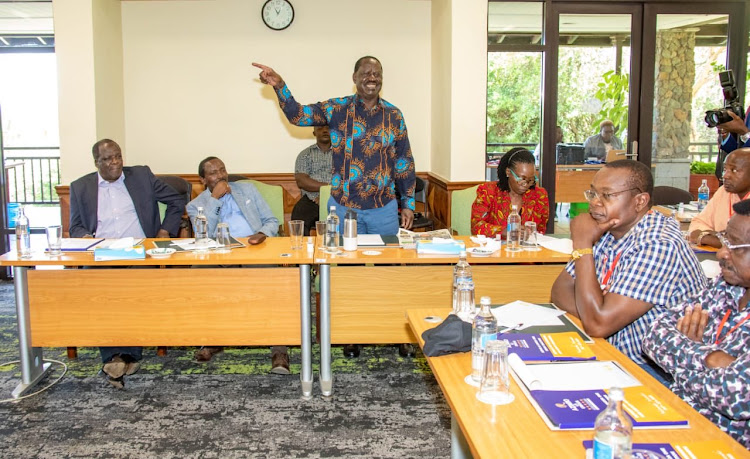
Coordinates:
[320,234]
[54,240]
[223,238]
[495,386]
[296,229]
[530,237]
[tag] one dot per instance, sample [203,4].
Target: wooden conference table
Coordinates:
[163,307]
[571,180]
[364,298]
[517,430]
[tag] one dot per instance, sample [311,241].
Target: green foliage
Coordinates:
[613,93]
[699,167]
[718,67]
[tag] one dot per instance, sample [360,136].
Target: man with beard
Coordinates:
[629,262]
[703,342]
[718,211]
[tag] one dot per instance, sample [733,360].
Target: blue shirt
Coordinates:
[231,215]
[656,266]
[116,216]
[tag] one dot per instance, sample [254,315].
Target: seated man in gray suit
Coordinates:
[120,202]
[241,207]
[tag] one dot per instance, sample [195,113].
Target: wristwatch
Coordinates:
[578,253]
[703,234]
[745,137]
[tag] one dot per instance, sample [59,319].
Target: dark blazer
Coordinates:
[145,189]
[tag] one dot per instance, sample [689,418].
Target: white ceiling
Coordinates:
[29,17]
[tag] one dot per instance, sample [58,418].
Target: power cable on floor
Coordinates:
[65,370]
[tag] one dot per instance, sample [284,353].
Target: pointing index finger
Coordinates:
[261,66]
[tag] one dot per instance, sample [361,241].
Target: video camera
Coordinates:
[731,102]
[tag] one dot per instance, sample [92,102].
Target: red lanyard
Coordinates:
[724,322]
[611,270]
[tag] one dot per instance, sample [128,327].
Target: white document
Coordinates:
[563,245]
[589,375]
[114,243]
[189,244]
[521,315]
[370,240]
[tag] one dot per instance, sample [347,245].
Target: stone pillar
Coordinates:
[673,98]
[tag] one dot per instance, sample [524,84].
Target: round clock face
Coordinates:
[277,14]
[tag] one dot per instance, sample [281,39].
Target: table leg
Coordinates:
[33,368]
[326,379]
[459,447]
[306,377]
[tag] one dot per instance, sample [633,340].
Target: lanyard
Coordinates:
[608,274]
[724,322]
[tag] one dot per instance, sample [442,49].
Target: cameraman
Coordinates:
[736,126]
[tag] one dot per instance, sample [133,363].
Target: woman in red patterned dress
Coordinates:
[516,184]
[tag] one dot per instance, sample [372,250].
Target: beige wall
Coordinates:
[188,89]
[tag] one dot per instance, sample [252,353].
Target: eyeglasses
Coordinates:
[590,195]
[722,236]
[522,181]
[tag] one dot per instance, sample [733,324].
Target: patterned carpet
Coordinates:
[383,406]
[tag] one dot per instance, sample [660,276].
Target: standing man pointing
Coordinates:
[370,148]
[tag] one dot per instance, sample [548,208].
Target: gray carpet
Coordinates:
[383,406]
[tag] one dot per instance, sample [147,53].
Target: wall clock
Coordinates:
[277,14]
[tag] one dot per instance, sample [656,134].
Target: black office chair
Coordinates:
[669,196]
[422,218]
[185,188]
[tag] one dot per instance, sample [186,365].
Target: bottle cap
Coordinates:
[462,253]
[485,300]
[332,208]
[616,394]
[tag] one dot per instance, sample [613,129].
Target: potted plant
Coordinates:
[700,171]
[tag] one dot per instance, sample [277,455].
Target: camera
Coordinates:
[731,102]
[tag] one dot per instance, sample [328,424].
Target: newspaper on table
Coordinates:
[408,239]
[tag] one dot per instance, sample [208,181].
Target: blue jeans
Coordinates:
[383,220]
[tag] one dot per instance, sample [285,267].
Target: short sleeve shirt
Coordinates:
[317,164]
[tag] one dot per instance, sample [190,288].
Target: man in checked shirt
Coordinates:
[704,342]
[629,262]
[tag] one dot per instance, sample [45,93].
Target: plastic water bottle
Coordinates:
[513,238]
[201,229]
[703,193]
[483,329]
[461,273]
[23,237]
[332,231]
[613,430]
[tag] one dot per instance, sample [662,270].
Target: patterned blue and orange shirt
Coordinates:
[720,394]
[370,148]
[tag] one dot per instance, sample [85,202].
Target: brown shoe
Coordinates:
[115,367]
[280,363]
[205,353]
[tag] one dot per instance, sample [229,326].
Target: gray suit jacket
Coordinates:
[252,205]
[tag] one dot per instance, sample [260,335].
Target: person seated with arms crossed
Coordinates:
[714,217]
[118,202]
[629,262]
[597,146]
[312,169]
[516,184]
[240,206]
[704,342]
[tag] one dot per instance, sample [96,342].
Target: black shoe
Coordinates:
[351,351]
[406,350]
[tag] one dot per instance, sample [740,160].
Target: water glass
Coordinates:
[530,237]
[494,388]
[465,305]
[320,234]
[223,238]
[296,230]
[54,240]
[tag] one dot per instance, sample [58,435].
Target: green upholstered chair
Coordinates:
[325,193]
[274,197]
[461,201]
